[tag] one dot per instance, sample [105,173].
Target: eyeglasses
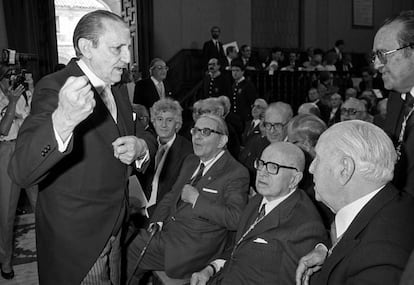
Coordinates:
[382,55]
[277,126]
[350,111]
[205,132]
[271,167]
[160,67]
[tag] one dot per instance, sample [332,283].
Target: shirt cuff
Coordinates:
[142,159]
[218,264]
[62,146]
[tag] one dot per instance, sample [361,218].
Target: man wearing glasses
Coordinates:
[150,90]
[393,56]
[200,212]
[355,109]
[276,227]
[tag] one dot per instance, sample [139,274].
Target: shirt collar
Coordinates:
[270,205]
[404,95]
[169,143]
[96,82]
[240,80]
[156,82]
[347,214]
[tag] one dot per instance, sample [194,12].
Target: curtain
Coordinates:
[31,28]
[145,29]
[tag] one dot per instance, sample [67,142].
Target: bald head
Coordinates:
[287,153]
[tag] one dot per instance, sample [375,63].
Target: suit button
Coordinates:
[43,153]
[48,147]
[173,218]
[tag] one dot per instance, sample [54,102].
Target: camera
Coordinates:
[17,79]
[11,57]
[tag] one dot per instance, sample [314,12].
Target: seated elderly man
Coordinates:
[355,109]
[200,212]
[277,226]
[276,118]
[172,150]
[252,128]
[373,234]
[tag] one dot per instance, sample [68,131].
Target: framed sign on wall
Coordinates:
[362,13]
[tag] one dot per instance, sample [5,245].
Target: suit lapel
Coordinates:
[216,170]
[350,238]
[395,107]
[277,216]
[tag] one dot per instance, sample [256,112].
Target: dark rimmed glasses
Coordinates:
[271,167]
[277,126]
[382,55]
[205,132]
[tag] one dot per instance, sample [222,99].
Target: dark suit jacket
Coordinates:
[377,244]
[404,169]
[194,236]
[242,98]
[146,93]
[210,50]
[291,230]
[336,118]
[250,132]
[408,275]
[81,191]
[253,149]
[177,153]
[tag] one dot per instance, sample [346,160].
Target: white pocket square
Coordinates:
[210,190]
[260,240]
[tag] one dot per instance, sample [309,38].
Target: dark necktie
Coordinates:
[408,103]
[198,175]
[218,46]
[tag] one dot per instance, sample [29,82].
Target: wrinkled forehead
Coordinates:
[205,122]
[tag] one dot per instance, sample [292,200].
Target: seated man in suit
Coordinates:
[373,234]
[199,214]
[252,128]
[149,90]
[172,150]
[276,118]
[277,226]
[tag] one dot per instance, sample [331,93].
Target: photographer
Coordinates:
[14,108]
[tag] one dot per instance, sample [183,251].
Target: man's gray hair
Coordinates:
[167,105]
[368,145]
[281,107]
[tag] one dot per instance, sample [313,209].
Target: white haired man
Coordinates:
[373,234]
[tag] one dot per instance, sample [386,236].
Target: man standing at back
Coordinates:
[214,48]
[394,58]
[78,145]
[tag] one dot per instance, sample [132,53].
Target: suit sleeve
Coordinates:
[36,148]
[228,212]
[377,264]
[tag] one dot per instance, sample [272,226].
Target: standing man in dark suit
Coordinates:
[372,235]
[394,59]
[268,247]
[78,145]
[214,48]
[172,150]
[149,90]
[201,211]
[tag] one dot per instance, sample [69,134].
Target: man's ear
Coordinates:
[295,179]
[85,46]
[346,169]
[223,141]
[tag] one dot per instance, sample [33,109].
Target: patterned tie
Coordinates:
[109,101]
[408,103]
[198,175]
[259,217]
